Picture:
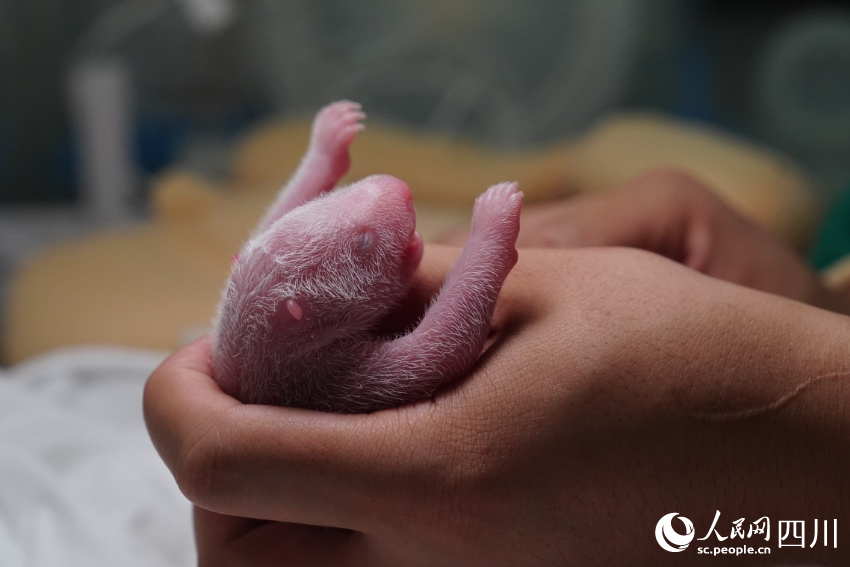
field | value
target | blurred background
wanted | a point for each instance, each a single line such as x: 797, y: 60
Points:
x: 99, y: 96
x: 199, y: 71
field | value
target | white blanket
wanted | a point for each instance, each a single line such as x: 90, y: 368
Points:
x: 80, y: 482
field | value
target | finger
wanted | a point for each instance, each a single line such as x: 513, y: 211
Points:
x: 653, y: 212
x: 227, y: 540
x: 666, y: 212
x: 189, y: 367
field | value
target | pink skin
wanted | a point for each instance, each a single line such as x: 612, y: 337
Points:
x: 299, y: 322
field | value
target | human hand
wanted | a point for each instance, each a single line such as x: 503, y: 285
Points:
x: 619, y: 387
x: 672, y: 214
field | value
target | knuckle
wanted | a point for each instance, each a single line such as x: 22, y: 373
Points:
x: 671, y: 180
x: 683, y: 191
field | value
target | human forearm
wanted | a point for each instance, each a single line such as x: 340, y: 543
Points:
x: 750, y: 419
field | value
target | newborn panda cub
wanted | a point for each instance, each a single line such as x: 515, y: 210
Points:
x: 298, y: 323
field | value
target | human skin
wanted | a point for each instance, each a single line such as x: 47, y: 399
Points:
x: 620, y: 386
x: 669, y: 212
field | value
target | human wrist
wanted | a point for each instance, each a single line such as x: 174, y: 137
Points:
x: 765, y: 410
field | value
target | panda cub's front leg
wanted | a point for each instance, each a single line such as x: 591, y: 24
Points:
x: 451, y: 335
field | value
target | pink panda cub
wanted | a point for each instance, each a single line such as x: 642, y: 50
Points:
x: 298, y: 323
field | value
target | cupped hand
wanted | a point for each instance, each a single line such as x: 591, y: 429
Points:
x: 619, y: 387
x: 672, y: 214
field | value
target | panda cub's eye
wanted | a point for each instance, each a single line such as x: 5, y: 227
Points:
x: 366, y: 241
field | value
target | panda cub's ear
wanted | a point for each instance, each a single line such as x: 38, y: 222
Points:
x: 288, y: 310
x: 294, y: 309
